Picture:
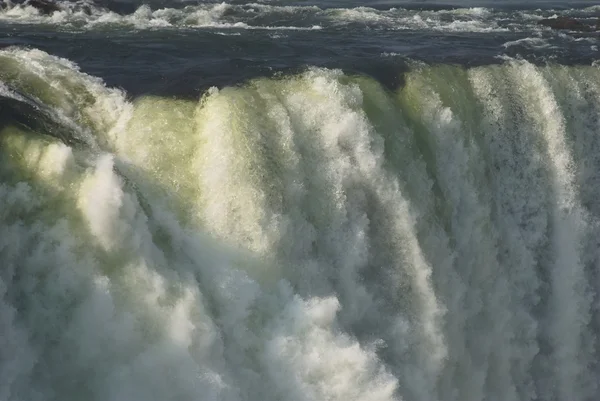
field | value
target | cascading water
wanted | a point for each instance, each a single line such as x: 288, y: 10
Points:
x: 303, y: 237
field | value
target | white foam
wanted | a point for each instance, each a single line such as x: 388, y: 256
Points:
x: 462, y: 20
x: 192, y: 320
x: 240, y: 16
x: 532, y: 42
x: 203, y: 16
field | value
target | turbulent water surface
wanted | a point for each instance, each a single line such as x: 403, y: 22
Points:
x: 299, y: 201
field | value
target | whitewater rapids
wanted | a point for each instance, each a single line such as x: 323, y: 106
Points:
x: 304, y: 237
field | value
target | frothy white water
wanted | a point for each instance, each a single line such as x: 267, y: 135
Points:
x: 85, y: 14
x: 88, y: 15
x: 312, y: 237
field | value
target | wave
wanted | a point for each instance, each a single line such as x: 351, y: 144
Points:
x: 309, y: 236
x: 530, y: 42
x: 88, y: 15
x: 84, y: 14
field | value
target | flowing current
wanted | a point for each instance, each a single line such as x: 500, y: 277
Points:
x: 309, y: 236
